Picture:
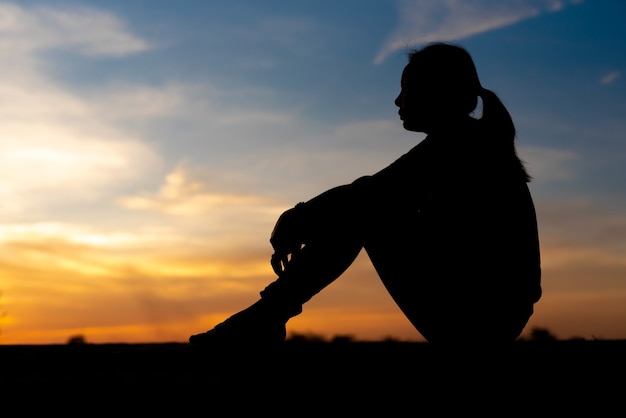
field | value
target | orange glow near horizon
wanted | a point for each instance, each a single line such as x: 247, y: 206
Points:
x: 56, y: 288
x: 140, y: 181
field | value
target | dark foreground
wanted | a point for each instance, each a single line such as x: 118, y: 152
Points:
x: 312, y: 378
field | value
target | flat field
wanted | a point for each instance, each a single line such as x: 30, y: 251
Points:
x: 313, y: 378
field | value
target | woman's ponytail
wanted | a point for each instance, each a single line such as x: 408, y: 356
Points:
x: 495, y: 117
x: 498, y: 124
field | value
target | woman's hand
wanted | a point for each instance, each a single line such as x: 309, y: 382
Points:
x: 287, y: 237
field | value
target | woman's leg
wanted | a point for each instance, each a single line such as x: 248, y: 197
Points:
x: 326, y: 255
x: 311, y: 269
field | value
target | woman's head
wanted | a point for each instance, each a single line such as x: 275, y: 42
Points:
x: 439, y: 85
x: 440, y: 88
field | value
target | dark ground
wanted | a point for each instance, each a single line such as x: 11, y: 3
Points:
x: 313, y: 378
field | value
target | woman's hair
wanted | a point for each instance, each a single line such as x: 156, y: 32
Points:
x: 451, y: 75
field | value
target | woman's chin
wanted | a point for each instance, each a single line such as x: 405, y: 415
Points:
x: 412, y: 126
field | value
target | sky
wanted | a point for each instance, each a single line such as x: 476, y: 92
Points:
x: 148, y: 147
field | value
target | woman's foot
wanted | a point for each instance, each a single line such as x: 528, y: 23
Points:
x: 256, y: 325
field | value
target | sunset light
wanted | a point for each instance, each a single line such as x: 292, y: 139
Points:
x: 148, y: 148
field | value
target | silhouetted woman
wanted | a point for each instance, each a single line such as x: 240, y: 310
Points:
x: 450, y: 226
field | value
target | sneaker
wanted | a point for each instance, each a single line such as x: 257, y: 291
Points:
x: 225, y: 334
x: 253, y: 326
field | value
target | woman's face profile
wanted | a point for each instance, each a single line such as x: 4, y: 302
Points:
x: 428, y: 101
x: 413, y: 101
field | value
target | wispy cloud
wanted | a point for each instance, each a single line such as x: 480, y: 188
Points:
x: 582, y: 224
x: 549, y: 164
x: 182, y: 195
x: 610, y: 77
x: 447, y: 20
x: 87, y: 31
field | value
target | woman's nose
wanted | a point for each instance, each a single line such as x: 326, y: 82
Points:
x: 398, y: 100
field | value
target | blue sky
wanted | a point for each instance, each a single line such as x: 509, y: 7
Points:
x: 147, y: 147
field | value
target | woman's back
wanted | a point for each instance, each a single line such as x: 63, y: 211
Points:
x: 458, y: 238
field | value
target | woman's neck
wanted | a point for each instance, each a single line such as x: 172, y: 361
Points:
x: 447, y: 126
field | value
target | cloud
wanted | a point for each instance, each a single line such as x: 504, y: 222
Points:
x: 122, y: 102
x: 181, y: 195
x: 55, y: 280
x: 54, y: 144
x: 66, y: 166
x: 582, y: 224
x: 86, y: 31
x: 548, y: 164
x: 611, y: 77
x: 448, y: 20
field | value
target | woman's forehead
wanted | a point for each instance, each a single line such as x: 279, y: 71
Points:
x: 410, y: 71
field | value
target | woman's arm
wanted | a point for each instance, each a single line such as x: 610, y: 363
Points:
x: 297, y: 225
x: 342, y: 208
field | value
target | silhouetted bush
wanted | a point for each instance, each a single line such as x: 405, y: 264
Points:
x: 542, y: 335
x: 306, y: 338
x: 342, y: 339
x: 77, y: 340
x: 390, y: 339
